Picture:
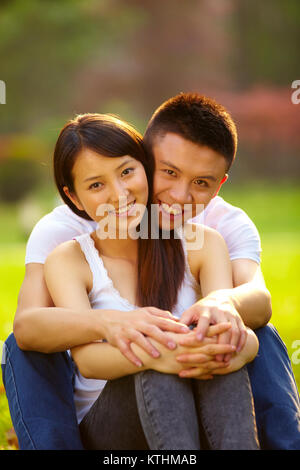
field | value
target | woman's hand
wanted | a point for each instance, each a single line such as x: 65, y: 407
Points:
x: 123, y: 329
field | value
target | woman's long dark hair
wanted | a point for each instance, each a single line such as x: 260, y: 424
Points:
x: 161, y: 262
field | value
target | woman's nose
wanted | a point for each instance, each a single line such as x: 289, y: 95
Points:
x: 118, y: 192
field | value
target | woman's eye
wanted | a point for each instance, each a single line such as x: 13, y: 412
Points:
x: 95, y: 185
x: 127, y: 171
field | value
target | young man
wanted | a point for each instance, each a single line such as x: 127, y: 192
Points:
x: 193, y: 140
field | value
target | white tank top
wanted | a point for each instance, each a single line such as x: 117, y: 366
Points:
x: 104, y: 295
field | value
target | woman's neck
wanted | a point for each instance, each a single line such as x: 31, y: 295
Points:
x: 117, y: 248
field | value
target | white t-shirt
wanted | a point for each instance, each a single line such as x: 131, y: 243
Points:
x: 60, y: 225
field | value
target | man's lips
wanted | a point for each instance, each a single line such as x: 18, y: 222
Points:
x: 173, y: 211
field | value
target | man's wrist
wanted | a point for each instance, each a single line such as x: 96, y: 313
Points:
x: 224, y: 296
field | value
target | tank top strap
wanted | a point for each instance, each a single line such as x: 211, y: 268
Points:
x: 93, y: 259
x: 188, y: 274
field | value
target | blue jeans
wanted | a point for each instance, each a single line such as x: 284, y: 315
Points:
x: 276, y: 398
x: 39, y: 389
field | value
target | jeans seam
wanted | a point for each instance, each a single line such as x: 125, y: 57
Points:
x: 150, y: 413
x: 205, y: 426
x: 8, y: 362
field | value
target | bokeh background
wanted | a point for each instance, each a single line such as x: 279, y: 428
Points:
x: 63, y: 57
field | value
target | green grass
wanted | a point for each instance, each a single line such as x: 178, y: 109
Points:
x: 275, y: 211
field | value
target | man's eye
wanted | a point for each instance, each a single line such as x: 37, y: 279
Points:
x: 201, y: 183
x: 127, y: 171
x: 170, y: 172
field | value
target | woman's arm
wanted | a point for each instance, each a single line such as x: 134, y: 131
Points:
x: 102, y: 361
x: 68, y: 279
x: 41, y: 326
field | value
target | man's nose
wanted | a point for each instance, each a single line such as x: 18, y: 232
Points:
x: 180, y: 193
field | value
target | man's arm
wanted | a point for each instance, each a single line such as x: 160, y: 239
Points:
x: 249, y: 295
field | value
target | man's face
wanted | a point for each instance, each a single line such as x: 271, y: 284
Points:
x: 185, y: 173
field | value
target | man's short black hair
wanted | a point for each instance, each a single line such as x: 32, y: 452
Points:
x: 196, y: 118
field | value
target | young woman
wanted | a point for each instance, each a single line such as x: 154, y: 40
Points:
x: 103, y: 174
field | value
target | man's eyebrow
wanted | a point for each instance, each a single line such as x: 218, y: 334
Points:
x: 118, y: 168
x: 171, y: 165
x: 165, y: 162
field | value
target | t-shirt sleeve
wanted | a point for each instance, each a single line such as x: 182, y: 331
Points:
x: 241, y: 236
x: 45, y: 236
x: 55, y: 228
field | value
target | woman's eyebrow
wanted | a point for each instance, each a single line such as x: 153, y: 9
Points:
x: 100, y: 176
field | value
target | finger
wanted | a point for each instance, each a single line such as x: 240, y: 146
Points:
x: 190, y: 340
x: 235, y: 337
x: 166, y: 324
x: 216, y: 349
x: 140, y: 340
x: 194, y: 358
x: 161, y: 313
x: 243, y: 339
x: 207, y: 355
x: 196, y: 371
x: 224, y: 338
x: 158, y: 335
x: 187, y: 317
x: 124, y: 348
x: 203, y: 324
x: 217, y: 329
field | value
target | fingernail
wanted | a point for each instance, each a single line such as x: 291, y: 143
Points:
x: 200, y: 336
x: 171, y: 345
x: 138, y: 364
x: 185, y: 329
x: 155, y: 354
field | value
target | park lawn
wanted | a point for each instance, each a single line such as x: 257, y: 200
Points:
x: 275, y: 213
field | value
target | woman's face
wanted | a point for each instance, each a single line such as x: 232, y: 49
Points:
x: 112, y: 187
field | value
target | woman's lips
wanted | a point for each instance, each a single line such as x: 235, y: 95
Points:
x: 124, y: 211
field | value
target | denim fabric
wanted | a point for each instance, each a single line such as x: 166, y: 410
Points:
x: 164, y: 412
x: 172, y: 409
x: 113, y: 422
x: 40, y: 395
x: 275, y: 393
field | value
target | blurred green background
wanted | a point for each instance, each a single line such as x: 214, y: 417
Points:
x: 63, y: 57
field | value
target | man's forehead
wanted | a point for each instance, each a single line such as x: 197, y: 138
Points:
x: 187, y: 157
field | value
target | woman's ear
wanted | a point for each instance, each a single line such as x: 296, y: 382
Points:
x: 73, y: 198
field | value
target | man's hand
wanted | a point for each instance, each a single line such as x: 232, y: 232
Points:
x: 123, y: 328
x: 213, y: 309
x: 196, y: 360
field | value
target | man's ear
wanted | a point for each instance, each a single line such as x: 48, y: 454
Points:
x: 224, y: 179
x: 73, y: 198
